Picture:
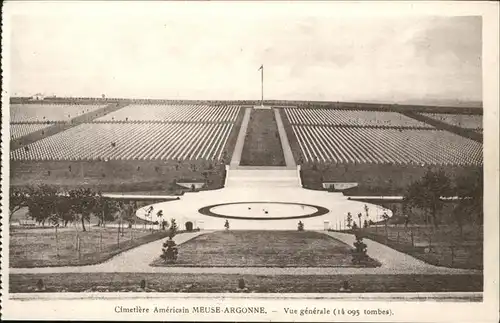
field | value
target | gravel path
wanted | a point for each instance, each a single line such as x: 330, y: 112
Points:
x: 395, y: 261
x: 138, y: 260
x: 238, y: 148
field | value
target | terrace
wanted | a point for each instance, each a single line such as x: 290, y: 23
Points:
x: 173, y: 113
x: 385, y: 146
x: 18, y: 130
x: 36, y: 113
x: 131, y: 141
x: 358, y: 118
x: 466, y: 121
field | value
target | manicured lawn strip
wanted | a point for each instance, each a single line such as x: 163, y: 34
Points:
x: 264, y: 249
x: 38, y: 249
x: 262, y: 145
x: 467, y: 249
x: 218, y: 283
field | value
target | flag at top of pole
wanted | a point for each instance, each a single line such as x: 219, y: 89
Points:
x: 261, y: 69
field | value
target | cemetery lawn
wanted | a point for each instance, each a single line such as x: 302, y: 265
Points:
x: 262, y: 146
x: 264, y: 249
x: 220, y: 283
x: 36, y: 247
x: 443, y: 246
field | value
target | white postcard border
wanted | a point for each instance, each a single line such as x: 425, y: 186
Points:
x: 103, y: 307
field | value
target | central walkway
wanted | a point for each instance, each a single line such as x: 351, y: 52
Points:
x: 262, y: 176
x: 238, y: 149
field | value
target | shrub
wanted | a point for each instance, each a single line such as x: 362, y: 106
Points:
x: 241, y: 283
x: 345, y: 286
x: 40, y: 286
x: 359, y: 253
x: 226, y: 225
x: 354, y: 226
x: 300, y: 226
x: 169, y: 251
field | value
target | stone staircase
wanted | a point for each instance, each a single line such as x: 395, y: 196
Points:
x: 265, y: 177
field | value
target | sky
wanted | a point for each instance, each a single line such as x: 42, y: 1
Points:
x: 217, y: 56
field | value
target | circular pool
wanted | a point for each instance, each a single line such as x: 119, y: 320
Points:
x: 263, y: 210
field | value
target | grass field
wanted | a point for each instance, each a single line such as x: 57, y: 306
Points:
x: 444, y: 246
x: 117, y: 175
x: 372, y: 179
x: 38, y: 247
x: 262, y: 145
x: 218, y: 283
x: 264, y: 249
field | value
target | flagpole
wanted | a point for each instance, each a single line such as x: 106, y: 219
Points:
x: 262, y: 85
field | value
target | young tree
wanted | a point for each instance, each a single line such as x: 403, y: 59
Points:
x: 405, y: 211
x: 385, y: 216
x: 226, y: 225
x: 426, y: 193
x: 107, y: 209
x: 55, y: 220
x: 173, y: 228
x: 84, y: 204
x: 17, y: 199
x: 366, y: 214
x: 349, y: 220
x: 120, y: 206
x: 129, y: 210
x: 159, y: 215
x: 359, y: 217
x: 149, y: 213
